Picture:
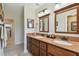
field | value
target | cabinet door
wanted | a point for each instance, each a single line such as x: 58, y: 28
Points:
x: 35, y: 50
x: 42, y: 52
x: 29, y: 44
x: 57, y: 51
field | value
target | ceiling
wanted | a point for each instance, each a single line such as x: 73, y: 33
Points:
x: 36, y: 5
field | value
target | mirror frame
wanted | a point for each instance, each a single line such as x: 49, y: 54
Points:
x: 42, y: 18
x: 67, y: 8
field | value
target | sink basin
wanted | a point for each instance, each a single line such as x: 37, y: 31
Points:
x: 38, y: 37
x: 63, y: 42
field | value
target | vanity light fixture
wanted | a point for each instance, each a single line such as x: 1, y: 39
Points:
x: 47, y: 11
x: 57, y: 6
x: 43, y: 12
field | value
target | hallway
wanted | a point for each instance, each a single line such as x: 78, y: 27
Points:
x: 16, y: 51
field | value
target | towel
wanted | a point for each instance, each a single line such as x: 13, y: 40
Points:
x: 7, y: 29
x: 5, y: 36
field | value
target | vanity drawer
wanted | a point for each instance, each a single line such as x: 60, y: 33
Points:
x: 42, y: 52
x: 59, y: 51
x: 35, y: 42
x: 43, y: 46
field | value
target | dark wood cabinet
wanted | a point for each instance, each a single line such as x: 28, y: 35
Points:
x: 43, y: 46
x: 35, y: 50
x: 35, y: 42
x: 57, y: 51
x: 43, y: 53
x: 36, y: 47
x: 33, y: 46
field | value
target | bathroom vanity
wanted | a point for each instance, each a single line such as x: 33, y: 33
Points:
x: 43, y: 46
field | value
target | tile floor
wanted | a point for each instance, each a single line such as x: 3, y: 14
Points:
x: 16, y: 51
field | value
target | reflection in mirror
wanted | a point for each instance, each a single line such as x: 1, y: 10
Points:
x: 72, y: 23
x: 67, y: 21
x: 41, y: 25
x: 44, y: 23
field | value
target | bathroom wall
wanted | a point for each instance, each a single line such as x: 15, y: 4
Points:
x: 29, y: 13
x: 15, y: 12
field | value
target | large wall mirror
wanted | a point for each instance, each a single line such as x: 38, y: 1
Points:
x: 66, y: 19
x: 44, y: 23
